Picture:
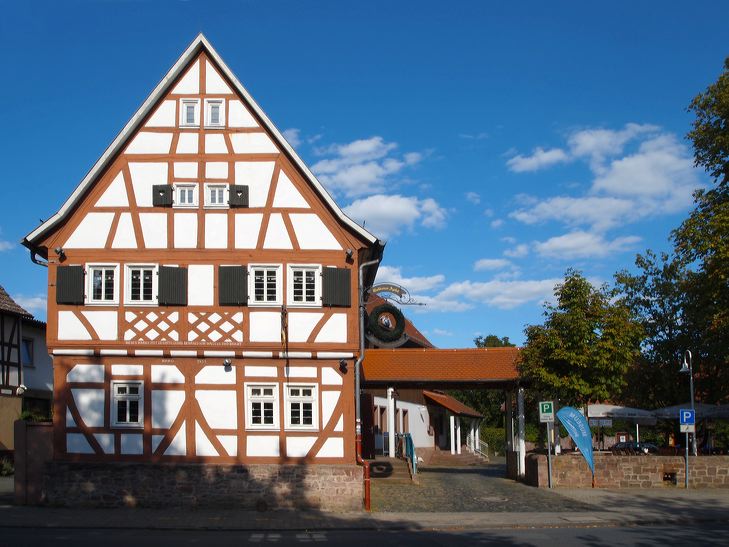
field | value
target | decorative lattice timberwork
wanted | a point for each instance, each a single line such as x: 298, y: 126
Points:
x: 214, y: 326
x: 151, y: 325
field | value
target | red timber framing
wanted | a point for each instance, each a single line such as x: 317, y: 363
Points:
x: 193, y: 360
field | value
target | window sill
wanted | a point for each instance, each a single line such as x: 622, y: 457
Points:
x: 301, y: 428
x: 216, y: 207
x: 190, y: 126
x: 127, y: 426
x: 141, y: 304
x: 193, y: 206
x: 214, y: 127
x: 113, y: 304
x: 264, y: 304
x: 270, y: 429
x: 308, y: 305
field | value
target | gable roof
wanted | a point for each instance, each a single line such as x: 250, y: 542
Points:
x: 198, y: 44
x: 449, y: 403
x: 7, y: 304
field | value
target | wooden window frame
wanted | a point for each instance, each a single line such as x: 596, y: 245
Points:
x: 89, y: 300
x: 290, y: 269
x: 208, y: 113
x: 252, y: 302
x: 313, y: 399
x: 114, y: 418
x: 128, y: 285
x: 226, y: 195
x: 195, y: 195
x: 183, y: 117
x: 250, y: 399
x: 31, y: 351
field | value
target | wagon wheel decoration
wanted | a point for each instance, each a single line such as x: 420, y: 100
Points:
x: 386, y: 323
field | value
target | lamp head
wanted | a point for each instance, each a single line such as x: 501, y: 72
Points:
x: 686, y: 367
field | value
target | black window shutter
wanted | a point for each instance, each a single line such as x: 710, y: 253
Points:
x: 162, y: 195
x: 70, y: 285
x: 172, y: 286
x: 233, y: 285
x: 337, y: 287
x: 238, y: 196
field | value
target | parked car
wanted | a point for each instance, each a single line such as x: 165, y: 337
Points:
x: 632, y: 448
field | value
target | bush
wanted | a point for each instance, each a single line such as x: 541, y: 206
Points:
x: 6, y: 467
x: 495, y: 437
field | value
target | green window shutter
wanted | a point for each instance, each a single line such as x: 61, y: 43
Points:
x: 162, y: 195
x: 238, y: 196
x: 172, y: 286
x: 232, y: 285
x: 337, y: 287
x: 70, y: 286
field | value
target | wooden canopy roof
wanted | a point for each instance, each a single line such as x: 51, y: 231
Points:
x: 449, y: 403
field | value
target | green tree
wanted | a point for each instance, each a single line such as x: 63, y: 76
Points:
x: 492, y: 341
x: 584, y: 348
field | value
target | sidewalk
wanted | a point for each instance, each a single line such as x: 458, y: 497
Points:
x: 607, y: 508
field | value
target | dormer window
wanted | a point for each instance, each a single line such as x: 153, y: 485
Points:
x: 214, y: 113
x: 190, y: 113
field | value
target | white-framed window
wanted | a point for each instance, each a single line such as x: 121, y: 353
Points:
x: 216, y: 195
x: 185, y: 195
x: 214, y: 112
x: 189, y: 112
x: 262, y: 406
x: 301, y: 404
x: 127, y: 404
x: 264, y: 285
x: 304, y: 285
x: 140, y: 287
x: 102, y: 284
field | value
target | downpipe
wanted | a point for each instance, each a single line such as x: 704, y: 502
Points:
x: 357, y: 402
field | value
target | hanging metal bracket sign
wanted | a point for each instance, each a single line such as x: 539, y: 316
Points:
x: 395, y: 293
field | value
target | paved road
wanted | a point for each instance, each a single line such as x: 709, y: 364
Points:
x: 708, y: 534
x: 467, y: 489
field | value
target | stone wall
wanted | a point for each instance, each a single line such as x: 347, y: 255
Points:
x: 254, y: 487
x: 571, y: 471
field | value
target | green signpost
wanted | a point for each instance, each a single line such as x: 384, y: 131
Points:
x: 546, y: 415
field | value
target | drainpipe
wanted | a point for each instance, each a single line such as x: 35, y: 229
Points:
x: 357, y: 403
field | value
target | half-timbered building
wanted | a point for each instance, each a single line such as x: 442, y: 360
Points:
x: 202, y: 289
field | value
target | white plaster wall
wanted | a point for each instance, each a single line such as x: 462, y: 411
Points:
x: 104, y: 323
x: 185, y: 230
x: 76, y: 443
x: 262, y: 445
x: 144, y: 176
x: 164, y: 116
x: 187, y: 143
x: 216, y: 170
x: 132, y: 444
x: 90, y: 404
x: 230, y: 443
x: 258, y: 371
x: 150, y: 143
x: 257, y: 176
x: 335, y: 330
x: 239, y: 116
x: 418, y: 420
x: 276, y: 236
x: 252, y: 143
x: 330, y: 377
x: 287, y: 195
x: 215, y: 144
x: 185, y: 170
x: 106, y: 441
x: 40, y: 375
x: 247, y: 227
x: 91, y: 233
x: 340, y: 424
x: 265, y: 327
x: 332, y: 448
x: 215, y: 374
x: 115, y: 194
x: 70, y: 327
x: 154, y: 230
x: 86, y: 373
x: 127, y: 370
x: 190, y: 82
x: 216, y: 231
x: 166, y: 405
x: 203, y: 446
x: 298, y: 447
x: 301, y: 372
x: 328, y: 402
x: 301, y: 325
x: 213, y: 82
x: 167, y: 374
x: 219, y: 408
x: 200, y: 285
x: 124, y: 237
x: 178, y: 446
x: 311, y: 233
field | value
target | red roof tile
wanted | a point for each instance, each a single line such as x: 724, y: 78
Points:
x: 7, y: 304
x: 449, y: 403
x: 429, y: 365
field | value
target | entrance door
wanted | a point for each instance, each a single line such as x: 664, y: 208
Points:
x: 368, y: 427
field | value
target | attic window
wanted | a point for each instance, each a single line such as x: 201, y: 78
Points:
x: 190, y: 113
x: 214, y: 113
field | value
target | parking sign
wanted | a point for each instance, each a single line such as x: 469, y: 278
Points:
x: 546, y: 411
x: 687, y: 420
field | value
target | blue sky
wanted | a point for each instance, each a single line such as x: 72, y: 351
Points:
x: 494, y: 146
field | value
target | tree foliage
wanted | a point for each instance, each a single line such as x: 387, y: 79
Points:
x: 584, y: 348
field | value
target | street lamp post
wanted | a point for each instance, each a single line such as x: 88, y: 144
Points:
x: 687, y: 368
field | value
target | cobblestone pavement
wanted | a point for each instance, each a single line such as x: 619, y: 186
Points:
x: 468, y: 489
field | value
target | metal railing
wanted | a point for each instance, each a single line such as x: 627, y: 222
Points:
x: 482, y: 449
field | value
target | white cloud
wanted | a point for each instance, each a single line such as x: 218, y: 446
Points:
x: 293, y: 136
x: 485, y: 264
x: 500, y: 294
x: 517, y: 251
x: 584, y: 244
x: 599, y: 212
x: 361, y: 167
x: 474, y: 136
x: 539, y: 159
x: 598, y: 144
x: 386, y: 216
x: 497, y: 223
x: 441, y: 332
x: 5, y: 245
x: 473, y: 197
x: 393, y: 274
x: 36, y: 303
